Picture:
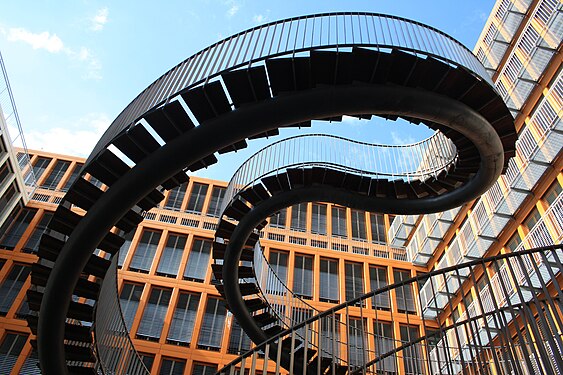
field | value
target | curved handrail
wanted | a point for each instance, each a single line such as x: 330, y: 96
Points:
x: 549, y: 257
x: 339, y: 30
x: 110, y: 331
x: 416, y: 161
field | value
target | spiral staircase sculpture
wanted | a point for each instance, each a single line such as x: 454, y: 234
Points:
x: 285, y: 73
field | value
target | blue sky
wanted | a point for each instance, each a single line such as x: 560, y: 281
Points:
x: 74, y: 65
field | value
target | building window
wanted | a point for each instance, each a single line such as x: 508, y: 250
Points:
x: 124, y: 249
x: 197, y: 197
x: 57, y: 173
x: 5, y: 171
x: 201, y: 369
x: 182, y: 325
x: 278, y: 263
x: 31, y: 364
x: 354, y: 280
x: 73, y: 176
x: 217, y: 195
x: 552, y: 193
x: 412, y: 355
x: 11, y: 286
x: 329, y: 280
x: 378, y: 279
x: 154, y: 314
x: 239, y: 342
x: 318, y: 218
x: 359, y: 225
x: 15, y: 226
x: 146, y: 358
x: 172, y: 255
x: 533, y: 218
x: 198, y: 260
x: 172, y: 366
x: 7, y: 197
x: 278, y: 219
x: 339, y: 221
x: 39, y: 167
x: 303, y: 276
x: 23, y: 310
x: 357, y: 348
x: 384, y: 343
x: 146, y: 249
x: 212, y: 327
x: 32, y: 244
x: 129, y: 301
x: 12, y: 345
x: 330, y: 336
x: 514, y: 242
x: 176, y: 197
x: 299, y: 217
x: 377, y: 222
x: 405, y: 298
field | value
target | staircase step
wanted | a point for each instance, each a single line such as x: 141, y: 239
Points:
x: 79, y: 353
x: 218, y: 252
x: 332, y: 68
x: 402, y: 67
x: 225, y: 229
x: 234, y: 147
x: 107, y: 167
x: 136, y: 143
x: 247, y: 85
x: 81, y: 370
x: 203, y: 163
x: 264, y: 319
x: 207, y: 101
x: 273, y: 330
x: 169, y: 121
x: 175, y: 181
x: 244, y: 272
x: 255, y: 304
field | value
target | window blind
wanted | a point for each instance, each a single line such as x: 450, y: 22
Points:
x: 182, y: 325
x: 197, y: 197
x: 146, y: 249
x: 198, y: 260
x: 11, y: 347
x: 172, y: 255
x: 129, y: 301
x: 211, y: 332
x: 154, y: 314
x: 11, y: 286
x: 15, y: 226
x: 329, y: 280
x: 303, y: 276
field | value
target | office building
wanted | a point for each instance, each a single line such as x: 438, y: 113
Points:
x: 316, y: 255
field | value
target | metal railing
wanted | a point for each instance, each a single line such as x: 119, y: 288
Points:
x: 521, y: 335
x: 330, y: 31
x: 13, y: 124
x: 114, y: 349
x: 406, y: 162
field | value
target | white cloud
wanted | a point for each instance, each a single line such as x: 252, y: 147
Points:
x: 233, y: 7
x: 44, y: 40
x: 100, y: 19
x: 53, y: 44
x: 78, y: 139
x: 259, y: 18
x: 401, y: 139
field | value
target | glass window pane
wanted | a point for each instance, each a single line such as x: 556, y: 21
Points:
x: 198, y: 260
x: 14, y: 227
x: 318, y: 218
x: 278, y: 219
x: 182, y: 325
x: 201, y: 369
x: 405, y: 297
x: 145, y: 251
x: 217, y: 195
x: 32, y: 244
x: 154, y: 314
x: 172, y: 255
x: 378, y: 279
x: 129, y: 301
x: 384, y: 343
x: 359, y: 225
x: 239, y: 342
x: 197, y: 197
x: 176, y: 197
x: 72, y: 177
x: 12, y: 345
x: 339, y: 221
x: 378, y: 233
x: 299, y: 217
x: 171, y: 366
x: 329, y: 280
x: 278, y: 263
x: 11, y: 286
x: 39, y: 166
x: 56, y: 174
x: 354, y: 280
x: 213, y: 325
x: 303, y: 276
x: 124, y: 249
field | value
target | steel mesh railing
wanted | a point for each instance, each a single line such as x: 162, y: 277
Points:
x: 114, y: 349
x: 519, y: 336
x: 417, y: 161
x: 330, y: 31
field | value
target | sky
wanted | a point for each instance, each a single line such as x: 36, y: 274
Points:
x: 73, y: 65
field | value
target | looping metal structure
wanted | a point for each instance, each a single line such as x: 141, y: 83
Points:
x: 285, y: 73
